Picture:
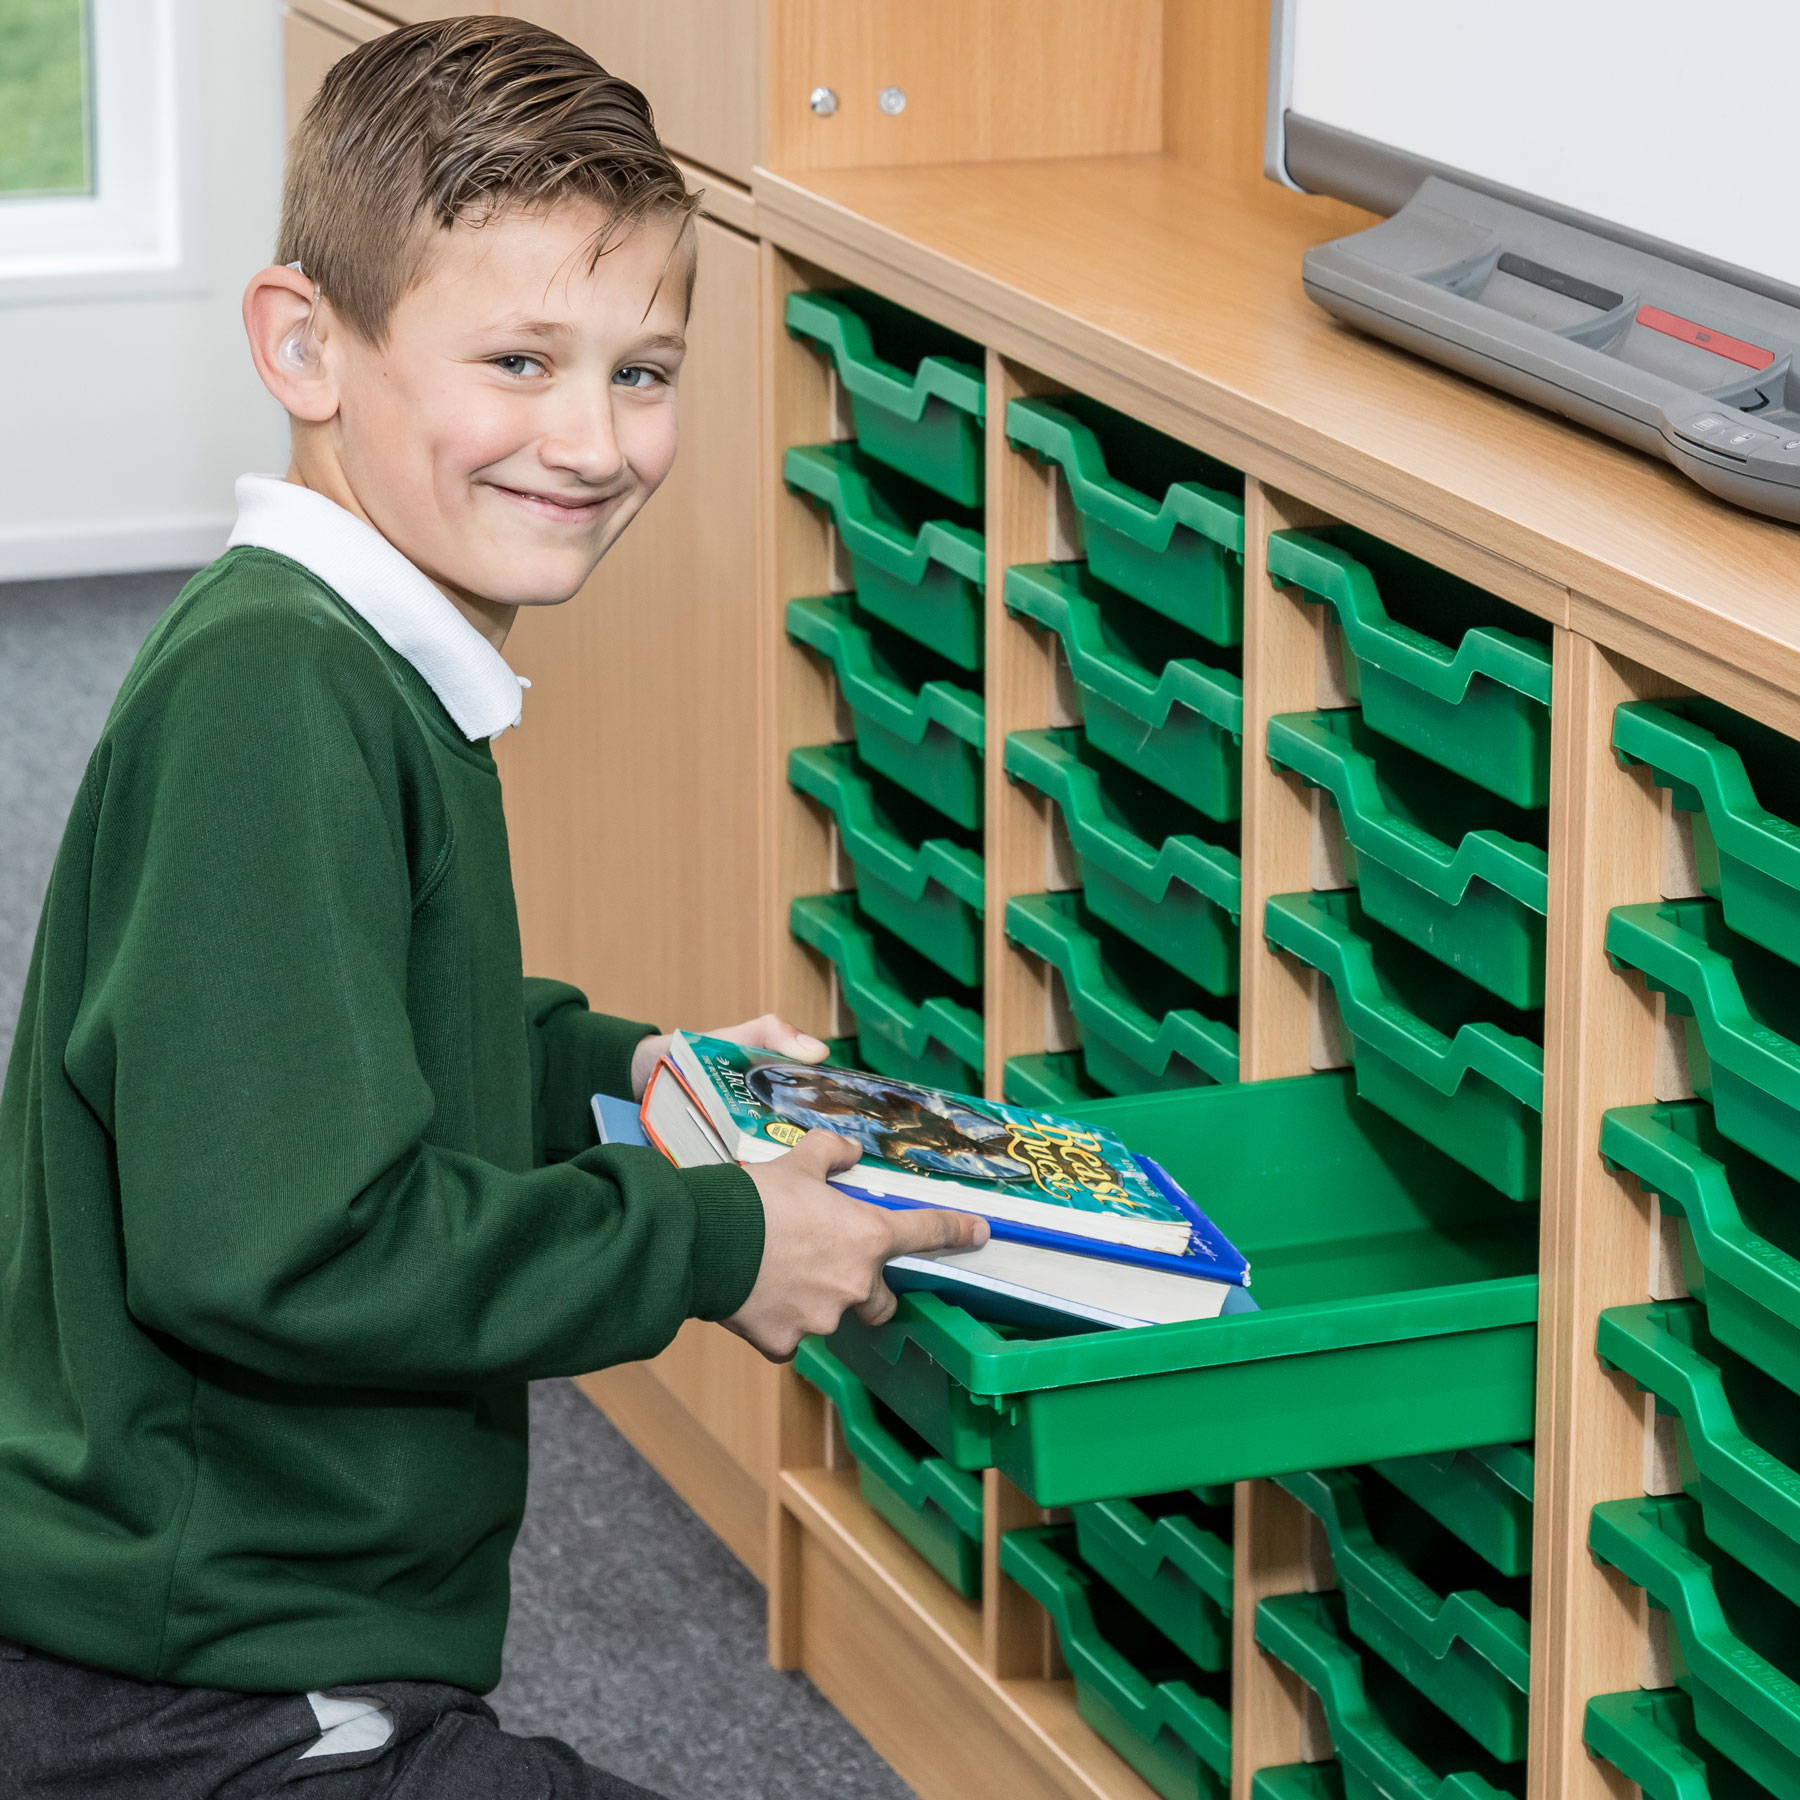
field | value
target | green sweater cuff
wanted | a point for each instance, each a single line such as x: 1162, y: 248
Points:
x: 728, y: 1238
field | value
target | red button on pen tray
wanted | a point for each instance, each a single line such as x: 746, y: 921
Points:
x: 1690, y: 331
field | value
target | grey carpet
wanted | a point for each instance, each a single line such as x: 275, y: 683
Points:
x: 635, y: 1635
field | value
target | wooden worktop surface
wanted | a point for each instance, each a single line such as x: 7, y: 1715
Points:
x: 1157, y: 289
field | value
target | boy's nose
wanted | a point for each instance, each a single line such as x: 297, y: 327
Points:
x: 586, y: 445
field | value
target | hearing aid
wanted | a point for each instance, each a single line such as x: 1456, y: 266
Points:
x: 298, y: 350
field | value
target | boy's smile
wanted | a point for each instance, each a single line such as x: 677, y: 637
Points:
x: 519, y: 412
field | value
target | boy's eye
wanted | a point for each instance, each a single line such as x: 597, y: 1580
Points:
x: 638, y: 375
x: 518, y: 364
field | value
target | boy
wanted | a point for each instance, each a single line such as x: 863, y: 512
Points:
x: 297, y: 1185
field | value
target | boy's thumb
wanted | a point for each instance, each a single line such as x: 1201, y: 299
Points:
x: 822, y: 1153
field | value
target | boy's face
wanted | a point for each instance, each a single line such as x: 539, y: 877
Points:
x: 523, y: 407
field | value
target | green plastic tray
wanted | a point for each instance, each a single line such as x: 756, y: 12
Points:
x: 1445, y: 1058
x: 1392, y: 1743
x: 1484, y: 1496
x: 1146, y: 699
x: 1144, y: 864
x: 1427, y: 1604
x: 1159, y: 521
x: 1052, y: 1081
x: 1298, y: 1781
x: 912, y: 724
x: 925, y: 886
x: 1142, y: 1025
x: 921, y: 574
x: 1650, y: 1737
x: 1168, y: 1719
x: 1170, y: 1556
x: 936, y: 1508
x: 1737, y: 1437
x: 1740, y: 1226
x: 1741, y: 1009
x: 907, y: 1025
x: 1397, y: 1300
x: 1453, y: 673
x: 1445, y: 864
x: 1734, y: 1643
x: 1715, y: 762
x: 917, y: 392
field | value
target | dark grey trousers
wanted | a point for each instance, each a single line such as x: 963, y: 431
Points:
x: 74, y: 1733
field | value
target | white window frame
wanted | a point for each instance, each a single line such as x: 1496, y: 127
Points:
x: 139, y: 231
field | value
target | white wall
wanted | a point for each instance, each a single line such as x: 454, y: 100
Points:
x: 124, y: 422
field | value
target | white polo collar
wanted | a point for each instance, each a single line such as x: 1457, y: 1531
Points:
x: 402, y: 606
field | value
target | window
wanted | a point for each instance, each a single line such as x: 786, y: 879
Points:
x: 98, y: 148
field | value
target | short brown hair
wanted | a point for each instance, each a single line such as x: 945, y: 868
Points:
x: 455, y: 121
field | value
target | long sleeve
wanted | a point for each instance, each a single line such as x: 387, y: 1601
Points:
x: 278, y: 1061
x: 575, y: 1054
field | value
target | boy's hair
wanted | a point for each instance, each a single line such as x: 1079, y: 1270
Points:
x: 456, y: 121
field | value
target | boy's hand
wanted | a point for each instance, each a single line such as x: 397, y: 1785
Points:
x: 823, y: 1251
x: 770, y: 1032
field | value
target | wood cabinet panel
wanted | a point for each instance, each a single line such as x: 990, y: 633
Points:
x: 632, y: 785
x: 309, y: 48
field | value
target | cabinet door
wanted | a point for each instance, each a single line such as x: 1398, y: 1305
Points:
x: 632, y: 785
x: 699, y: 61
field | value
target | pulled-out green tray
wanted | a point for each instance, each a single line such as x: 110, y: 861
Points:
x: 936, y: 1508
x: 917, y: 392
x: 1740, y: 1225
x: 1142, y: 1025
x: 1144, y: 864
x: 1715, y: 763
x: 1450, y: 671
x: 1159, y: 521
x: 925, y: 886
x: 1398, y: 1306
x: 1167, y: 1718
x: 1444, y: 1057
x: 912, y: 1022
x: 1740, y: 1005
x: 1147, y: 700
x: 1650, y: 1737
x: 921, y: 574
x: 1427, y: 1604
x: 912, y: 724
x: 1052, y: 1081
x: 1483, y: 1495
x: 1737, y: 1437
x: 1298, y: 1781
x: 1170, y: 1556
x: 1445, y: 864
x: 1734, y: 1643
x: 1392, y: 1743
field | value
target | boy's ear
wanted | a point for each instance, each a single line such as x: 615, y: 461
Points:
x: 287, y: 322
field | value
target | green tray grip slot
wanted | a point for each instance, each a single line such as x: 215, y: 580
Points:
x: 1172, y: 1568
x: 921, y: 575
x: 1476, y: 901
x: 1483, y: 1496
x: 1744, y: 1704
x: 931, y: 893
x: 927, y: 1032
x: 1403, y: 1061
x: 1748, y: 1489
x: 1133, y: 540
x: 924, y: 421
x: 1748, y: 857
x: 1501, y: 741
x: 1051, y: 1081
x: 1177, y: 896
x: 1751, y: 1285
x: 1739, y: 1056
x: 1649, y: 1736
x: 929, y: 738
x: 1053, y: 926
x: 1040, y: 1559
x: 1464, y: 1651
x: 1303, y: 1631
x: 918, y: 1495
x: 1174, y: 719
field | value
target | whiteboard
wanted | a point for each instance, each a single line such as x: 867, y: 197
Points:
x: 1643, y: 113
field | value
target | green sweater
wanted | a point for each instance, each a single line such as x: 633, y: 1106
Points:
x: 298, y: 1183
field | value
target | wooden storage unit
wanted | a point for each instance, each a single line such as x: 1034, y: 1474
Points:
x: 1110, y: 236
